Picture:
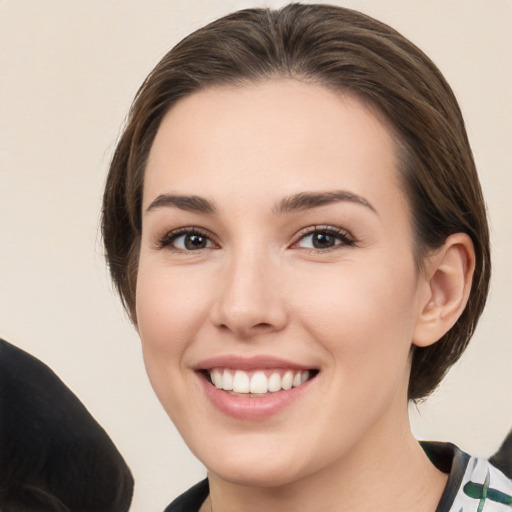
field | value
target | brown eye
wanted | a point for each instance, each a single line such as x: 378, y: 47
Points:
x: 193, y: 242
x: 186, y: 240
x: 324, y: 239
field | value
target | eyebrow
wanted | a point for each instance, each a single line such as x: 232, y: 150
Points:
x: 296, y: 202
x: 189, y: 203
x: 307, y: 200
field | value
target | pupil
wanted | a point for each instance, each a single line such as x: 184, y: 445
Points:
x: 322, y: 240
x: 195, y: 242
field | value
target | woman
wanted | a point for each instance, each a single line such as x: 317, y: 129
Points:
x: 294, y: 222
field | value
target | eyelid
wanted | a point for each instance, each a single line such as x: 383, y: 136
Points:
x: 165, y: 241
x: 347, y: 239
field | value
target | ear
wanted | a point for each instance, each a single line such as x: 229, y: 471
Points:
x: 447, y: 276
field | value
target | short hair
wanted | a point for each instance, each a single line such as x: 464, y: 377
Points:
x: 346, y: 51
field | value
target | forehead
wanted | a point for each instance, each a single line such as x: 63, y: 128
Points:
x: 286, y: 133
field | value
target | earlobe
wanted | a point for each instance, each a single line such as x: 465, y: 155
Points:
x: 448, y: 275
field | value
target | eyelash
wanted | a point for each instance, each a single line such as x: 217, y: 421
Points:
x: 344, y: 238
x: 169, y: 238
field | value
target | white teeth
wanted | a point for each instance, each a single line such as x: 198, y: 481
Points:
x: 287, y: 380
x: 227, y: 381
x: 240, y: 382
x: 258, y: 383
x: 217, y: 379
x: 274, y: 382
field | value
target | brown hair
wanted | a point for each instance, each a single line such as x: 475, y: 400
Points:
x: 346, y: 51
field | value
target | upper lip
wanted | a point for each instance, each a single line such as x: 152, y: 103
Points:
x: 262, y: 362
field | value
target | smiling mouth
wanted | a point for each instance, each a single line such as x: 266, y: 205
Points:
x: 258, y: 383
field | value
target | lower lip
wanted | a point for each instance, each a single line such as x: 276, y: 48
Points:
x: 251, y: 408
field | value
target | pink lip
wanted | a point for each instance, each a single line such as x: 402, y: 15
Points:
x: 248, y: 363
x: 247, y: 408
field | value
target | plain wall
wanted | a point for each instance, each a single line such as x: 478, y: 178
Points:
x: 69, y: 70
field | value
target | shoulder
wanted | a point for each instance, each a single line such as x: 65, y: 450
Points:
x: 473, y: 482
x: 485, y: 485
x: 191, y: 500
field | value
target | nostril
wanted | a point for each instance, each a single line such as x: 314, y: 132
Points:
x: 262, y: 325
x: 249, y: 330
x: 245, y: 319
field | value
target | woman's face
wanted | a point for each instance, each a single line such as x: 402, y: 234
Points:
x: 276, y: 252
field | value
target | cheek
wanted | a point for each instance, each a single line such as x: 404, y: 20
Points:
x: 168, y: 306
x: 364, y: 318
x: 168, y: 309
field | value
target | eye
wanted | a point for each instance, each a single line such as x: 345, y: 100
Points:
x: 186, y: 239
x: 324, y: 238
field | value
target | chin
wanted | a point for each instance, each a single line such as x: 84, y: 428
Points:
x: 267, y: 466
x: 266, y: 475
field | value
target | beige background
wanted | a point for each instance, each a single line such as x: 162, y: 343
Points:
x: 69, y: 70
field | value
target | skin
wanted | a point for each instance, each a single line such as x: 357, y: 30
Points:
x: 259, y: 287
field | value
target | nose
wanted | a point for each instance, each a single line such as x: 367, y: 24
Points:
x: 249, y: 302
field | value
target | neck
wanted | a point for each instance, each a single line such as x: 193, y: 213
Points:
x: 386, y: 471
